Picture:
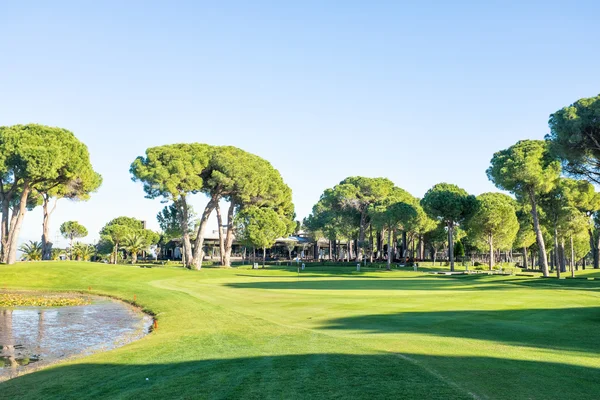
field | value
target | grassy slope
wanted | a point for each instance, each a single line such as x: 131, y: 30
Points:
x: 269, y: 334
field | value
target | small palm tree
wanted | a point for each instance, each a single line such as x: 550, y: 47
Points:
x: 55, y: 255
x: 135, y: 244
x: 83, y: 251
x: 32, y: 251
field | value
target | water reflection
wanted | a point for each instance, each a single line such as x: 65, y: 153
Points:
x: 33, y: 336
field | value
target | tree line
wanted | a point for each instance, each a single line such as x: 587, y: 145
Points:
x: 551, y: 181
x: 554, y: 202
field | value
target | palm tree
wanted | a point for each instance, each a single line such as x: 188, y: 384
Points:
x: 135, y: 244
x: 83, y: 251
x: 32, y: 251
x: 55, y: 254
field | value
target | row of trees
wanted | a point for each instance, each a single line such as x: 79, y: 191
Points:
x: 551, y: 180
x: 547, y: 205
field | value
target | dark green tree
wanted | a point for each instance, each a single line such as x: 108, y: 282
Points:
x: 494, y: 225
x: 529, y: 170
x: 72, y: 230
x: 575, y: 137
x: 261, y: 226
x: 451, y: 205
x: 174, y: 173
x: 118, y: 230
x: 33, y: 156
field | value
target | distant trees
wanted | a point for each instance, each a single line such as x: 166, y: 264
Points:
x: 494, y: 223
x: 128, y: 234
x: 34, y: 158
x: 82, y: 251
x: 261, y: 226
x: 139, y: 241
x: 451, y: 205
x: 72, y: 230
x: 358, y: 195
x: 359, y: 205
x: 360, y: 216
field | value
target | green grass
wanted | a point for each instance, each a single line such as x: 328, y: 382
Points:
x: 330, y: 333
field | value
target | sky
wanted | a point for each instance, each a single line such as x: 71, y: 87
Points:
x: 420, y: 92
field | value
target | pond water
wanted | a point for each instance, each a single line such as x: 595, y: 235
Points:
x: 33, y: 337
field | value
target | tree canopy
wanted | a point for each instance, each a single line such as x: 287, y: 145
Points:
x: 34, y: 156
x: 529, y: 170
x: 575, y: 137
x: 494, y: 225
x: 223, y: 173
x: 451, y: 205
x: 261, y: 226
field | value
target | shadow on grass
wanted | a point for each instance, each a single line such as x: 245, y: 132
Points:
x: 313, y: 376
x: 370, y: 283
x: 543, y: 328
x: 416, y: 282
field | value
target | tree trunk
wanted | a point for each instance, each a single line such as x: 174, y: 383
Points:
x: 5, y: 228
x: 389, y: 258
x: 229, y: 235
x: 451, y: 244
x: 264, y: 256
x: 46, y: 243
x: 116, y: 253
x: 350, y: 241
x: 538, y: 234
x: 330, y: 251
x: 404, y: 247
x: 593, y: 247
x: 597, y: 255
x: 13, y: 237
x: 186, y: 244
x: 524, y: 257
x: 563, y: 256
x: 393, y: 244
x: 572, y: 262
x: 555, y: 258
x: 134, y: 257
x: 198, y: 255
x: 491, y: 243
x: 361, y: 235
x: 221, y: 237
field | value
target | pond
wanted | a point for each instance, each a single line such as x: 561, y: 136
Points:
x: 33, y: 337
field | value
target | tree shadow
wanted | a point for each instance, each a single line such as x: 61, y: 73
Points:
x: 314, y: 376
x: 417, y: 282
x: 541, y: 328
x: 360, y: 283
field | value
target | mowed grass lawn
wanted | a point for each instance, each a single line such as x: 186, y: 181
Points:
x: 329, y: 333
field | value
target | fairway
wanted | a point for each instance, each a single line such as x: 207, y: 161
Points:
x: 329, y: 333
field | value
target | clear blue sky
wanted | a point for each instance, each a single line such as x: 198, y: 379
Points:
x: 420, y: 92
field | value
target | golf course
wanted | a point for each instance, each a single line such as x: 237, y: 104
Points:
x: 328, y: 332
